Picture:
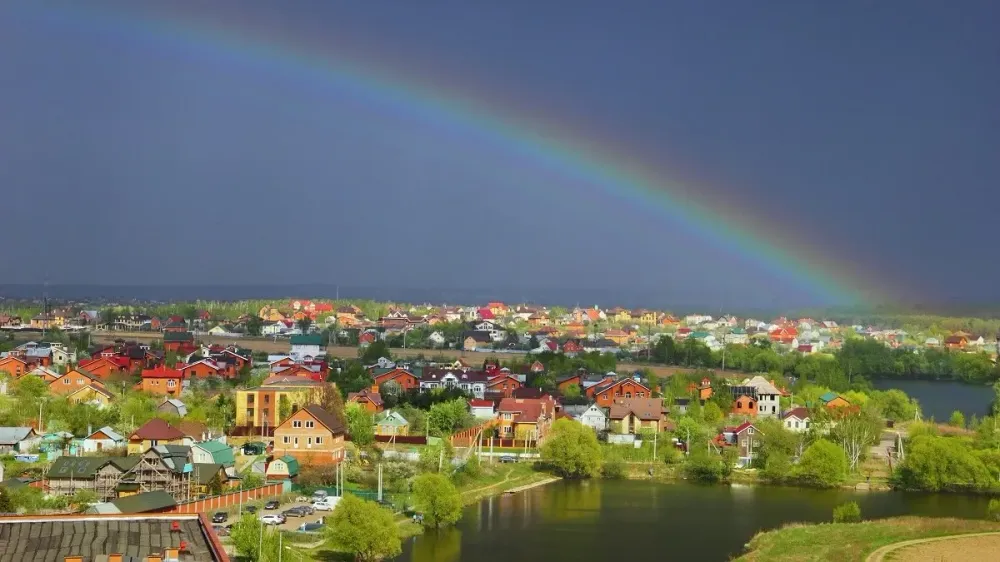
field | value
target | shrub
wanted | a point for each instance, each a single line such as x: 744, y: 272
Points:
x: 993, y: 510
x: 613, y: 469
x: 848, y: 512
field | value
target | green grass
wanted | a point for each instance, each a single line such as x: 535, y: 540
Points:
x: 799, y: 542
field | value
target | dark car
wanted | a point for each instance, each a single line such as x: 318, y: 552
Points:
x: 250, y: 509
x: 220, y: 517
x: 273, y: 504
x: 310, y: 527
x: 294, y: 512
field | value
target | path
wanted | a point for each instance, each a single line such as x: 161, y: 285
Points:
x: 506, y: 478
x: 880, y: 554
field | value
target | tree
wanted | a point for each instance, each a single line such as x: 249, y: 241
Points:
x: 703, y: 466
x: 447, y: 417
x: 284, y: 408
x: 437, y: 499
x: 935, y: 464
x: 957, y: 419
x: 712, y: 413
x: 360, y: 424
x: 373, y: 352
x: 254, y: 325
x: 822, y: 465
x: 331, y: 400
x: 849, y: 512
x: 6, y: 502
x: 303, y: 324
x: 253, y: 541
x: 571, y: 391
x: 364, y: 529
x: 856, y: 432
x: 894, y: 404
x: 571, y: 449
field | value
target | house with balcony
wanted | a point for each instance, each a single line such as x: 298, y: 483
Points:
x: 471, y: 382
x: 311, y: 434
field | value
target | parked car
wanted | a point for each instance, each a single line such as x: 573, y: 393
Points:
x: 319, y: 495
x: 273, y: 504
x: 308, y: 527
x: 308, y: 509
x: 272, y: 519
x: 322, y: 506
x: 220, y: 517
x: 250, y: 509
x: 295, y: 512
x: 508, y: 458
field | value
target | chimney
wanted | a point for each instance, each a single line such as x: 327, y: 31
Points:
x: 73, y: 559
x: 152, y: 558
x: 114, y: 558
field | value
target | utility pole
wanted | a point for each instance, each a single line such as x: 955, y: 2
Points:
x: 380, y: 481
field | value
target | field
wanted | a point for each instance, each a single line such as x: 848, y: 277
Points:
x: 281, y: 346
x: 855, y: 541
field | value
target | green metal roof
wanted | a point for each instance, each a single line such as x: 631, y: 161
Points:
x: 828, y: 397
x: 145, y: 502
x: 292, y: 463
x: 203, y: 473
x: 307, y: 339
x: 76, y: 467
x: 221, y: 453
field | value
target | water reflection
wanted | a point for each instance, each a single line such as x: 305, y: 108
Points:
x: 443, y: 545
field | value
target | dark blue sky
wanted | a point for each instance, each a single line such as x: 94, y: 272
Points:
x: 866, y: 132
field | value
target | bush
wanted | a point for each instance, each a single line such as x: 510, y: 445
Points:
x: 613, y: 469
x: 822, y: 465
x: 848, y: 512
x: 993, y: 510
x: 703, y: 466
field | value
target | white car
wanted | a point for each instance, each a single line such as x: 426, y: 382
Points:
x: 322, y: 506
x: 272, y: 519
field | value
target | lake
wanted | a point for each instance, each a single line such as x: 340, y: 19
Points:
x: 938, y: 399
x: 603, y: 520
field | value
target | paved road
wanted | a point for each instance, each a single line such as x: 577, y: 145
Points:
x: 880, y: 554
x: 473, y: 357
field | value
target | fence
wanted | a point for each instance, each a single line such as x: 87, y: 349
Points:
x: 465, y: 437
x: 226, y: 500
x: 497, y: 442
x: 402, y: 439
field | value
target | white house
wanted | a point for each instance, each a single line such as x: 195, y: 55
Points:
x: 473, y: 383
x: 102, y: 440
x: 796, y: 419
x: 595, y: 417
x: 768, y: 396
x: 307, y: 345
x: 18, y: 439
x: 437, y: 339
x: 481, y: 409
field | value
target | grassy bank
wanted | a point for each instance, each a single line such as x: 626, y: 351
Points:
x: 851, y: 541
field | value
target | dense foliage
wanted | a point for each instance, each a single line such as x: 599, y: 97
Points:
x: 364, y: 529
x: 571, y: 450
x: 437, y: 499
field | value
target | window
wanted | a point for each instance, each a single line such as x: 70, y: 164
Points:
x: 739, y: 404
x: 79, y: 381
x: 267, y: 398
x: 310, y: 424
x: 796, y: 425
x: 171, y: 383
x: 628, y: 395
x: 296, y: 424
x: 319, y: 440
x: 65, y: 381
x: 285, y: 439
x: 296, y: 443
x: 309, y: 441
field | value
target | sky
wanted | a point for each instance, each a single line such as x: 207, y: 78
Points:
x: 863, y: 137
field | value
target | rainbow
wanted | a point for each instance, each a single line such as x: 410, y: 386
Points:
x: 570, y: 154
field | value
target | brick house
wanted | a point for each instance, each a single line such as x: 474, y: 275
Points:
x: 368, y: 398
x: 310, y: 435
x: 606, y: 394
x: 525, y: 418
x: 405, y: 379
x: 502, y: 385
x: 179, y: 342
x: 743, y: 437
x: 161, y: 380
x: 105, y: 367
x: 201, y: 370
x: 14, y: 366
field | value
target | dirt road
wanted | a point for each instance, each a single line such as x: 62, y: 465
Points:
x: 270, y: 345
x: 972, y: 547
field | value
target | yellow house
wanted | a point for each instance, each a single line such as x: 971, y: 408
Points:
x: 90, y: 394
x: 620, y: 337
x: 271, y: 314
x: 647, y: 317
x: 46, y: 321
x: 392, y: 423
x: 262, y: 406
x: 622, y: 316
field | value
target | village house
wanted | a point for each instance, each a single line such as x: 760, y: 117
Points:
x: 307, y: 345
x: 502, y: 385
x: 605, y: 394
x: 744, y: 400
x: 282, y: 468
x: 18, y: 439
x: 474, y: 340
x: 311, y: 434
x: 369, y: 399
x: 481, y: 408
x: 391, y: 423
x: 105, y: 367
x: 635, y: 415
x: 13, y: 366
x: 213, y: 452
x: 103, y: 439
x: 471, y: 382
x: 162, y: 380
x: 592, y: 416
x: 767, y: 396
x: 201, y: 370
x: 154, y: 432
x: 743, y: 437
x: 44, y: 373
x: 796, y: 420
x: 94, y: 394
x: 834, y: 400
x: 72, y: 381
x: 525, y: 418
x: 181, y: 343
x: 260, y: 407
x: 100, y: 475
x: 172, y: 406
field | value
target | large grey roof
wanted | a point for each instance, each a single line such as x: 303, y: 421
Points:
x: 12, y: 435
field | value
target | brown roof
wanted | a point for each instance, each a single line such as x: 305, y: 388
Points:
x: 374, y: 397
x: 192, y: 429
x: 800, y: 412
x: 326, y: 418
x: 528, y: 410
x: 647, y: 409
x: 158, y: 429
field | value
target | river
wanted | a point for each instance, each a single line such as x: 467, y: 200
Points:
x: 938, y: 399
x: 597, y: 521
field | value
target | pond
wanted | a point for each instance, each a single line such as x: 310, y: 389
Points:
x: 938, y: 399
x: 606, y: 520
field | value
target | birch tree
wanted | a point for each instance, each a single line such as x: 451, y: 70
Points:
x: 856, y: 433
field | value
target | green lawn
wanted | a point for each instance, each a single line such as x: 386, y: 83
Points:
x: 851, y: 541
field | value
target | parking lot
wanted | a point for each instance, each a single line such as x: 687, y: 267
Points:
x: 290, y: 524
